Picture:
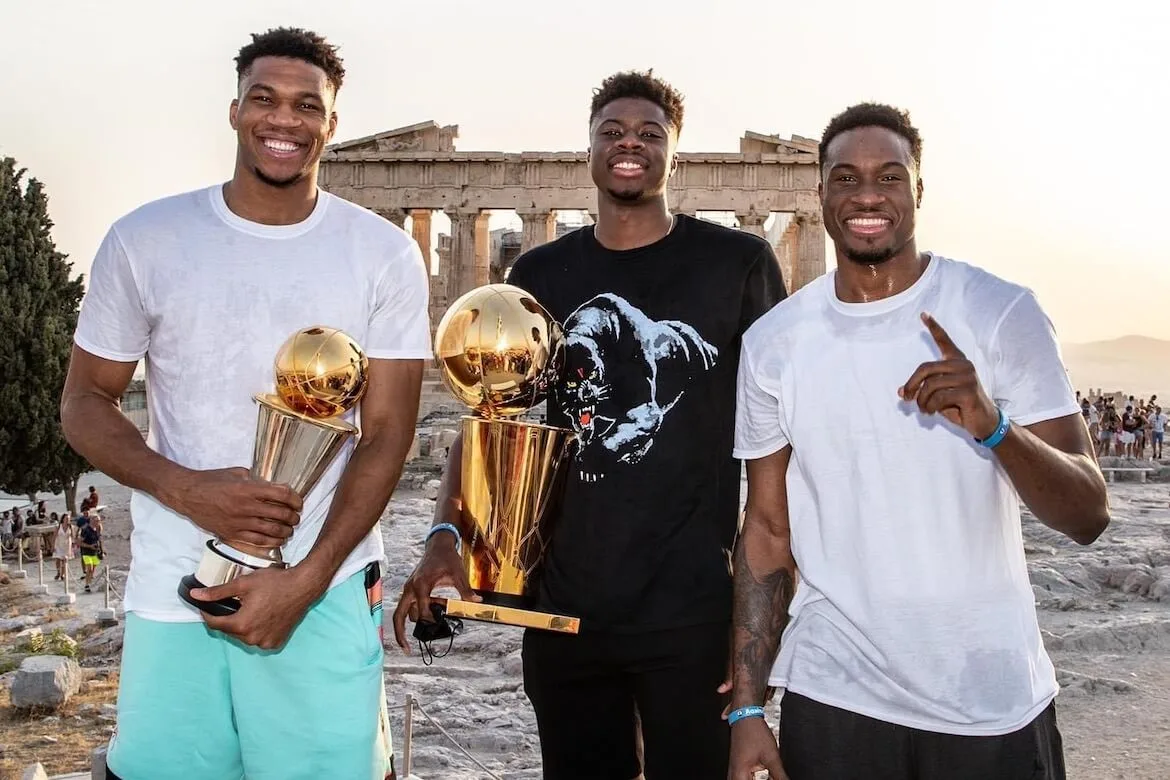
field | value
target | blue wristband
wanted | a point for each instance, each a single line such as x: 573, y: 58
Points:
x: 447, y: 527
x: 754, y: 711
x: 1000, y: 433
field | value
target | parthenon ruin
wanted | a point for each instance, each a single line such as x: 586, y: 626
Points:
x: 415, y: 170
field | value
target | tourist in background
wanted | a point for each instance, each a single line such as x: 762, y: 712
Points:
x: 63, y: 541
x: 207, y: 285
x: 910, y: 642
x: 653, y: 306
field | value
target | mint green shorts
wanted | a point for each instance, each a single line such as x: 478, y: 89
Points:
x: 194, y: 704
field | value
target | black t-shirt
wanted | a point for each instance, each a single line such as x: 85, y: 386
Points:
x: 643, y: 533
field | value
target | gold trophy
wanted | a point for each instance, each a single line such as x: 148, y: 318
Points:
x: 499, y: 351
x: 321, y: 373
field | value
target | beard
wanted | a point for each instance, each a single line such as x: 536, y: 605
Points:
x: 870, y: 256
x: 626, y: 196
x: 278, y: 183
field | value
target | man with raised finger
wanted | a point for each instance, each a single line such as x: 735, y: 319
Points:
x: 206, y: 286
x: 908, y: 647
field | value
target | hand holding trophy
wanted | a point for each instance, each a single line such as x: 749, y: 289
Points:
x: 321, y: 373
x: 499, y: 352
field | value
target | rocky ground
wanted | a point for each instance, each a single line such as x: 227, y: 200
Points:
x: 1104, y: 610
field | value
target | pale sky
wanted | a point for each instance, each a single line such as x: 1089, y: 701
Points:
x: 1043, y: 121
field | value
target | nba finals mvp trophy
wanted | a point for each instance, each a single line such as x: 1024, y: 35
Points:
x: 499, y: 351
x: 321, y: 374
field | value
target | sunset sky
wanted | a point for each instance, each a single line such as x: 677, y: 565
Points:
x: 1043, y: 122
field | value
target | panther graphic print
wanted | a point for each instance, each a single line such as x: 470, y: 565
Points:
x: 624, y: 372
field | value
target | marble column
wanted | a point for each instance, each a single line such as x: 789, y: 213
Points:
x: 810, y: 258
x: 752, y: 222
x: 470, y: 251
x: 787, y: 253
x: 420, y: 229
x: 539, y: 227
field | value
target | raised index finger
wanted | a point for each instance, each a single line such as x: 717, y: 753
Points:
x: 949, y: 350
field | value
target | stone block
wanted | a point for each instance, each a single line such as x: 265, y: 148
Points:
x: 34, y: 772
x: 107, y: 616
x: 45, y: 681
x: 67, y: 598
x: 431, y: 489
x: 97, y: 763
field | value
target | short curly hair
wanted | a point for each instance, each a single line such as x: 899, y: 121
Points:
x: 296, y: 43
x: 639, y: 84
x: 874, y: 115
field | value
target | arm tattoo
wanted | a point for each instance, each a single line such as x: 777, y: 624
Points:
x: 761, y: 613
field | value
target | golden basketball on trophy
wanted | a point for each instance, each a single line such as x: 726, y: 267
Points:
x: 320, y: 374
x: 499, y: 352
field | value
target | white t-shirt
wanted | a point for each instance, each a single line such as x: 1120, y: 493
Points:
x: 1158, y: 421
x: 913, y: 604
x: 208, y: 298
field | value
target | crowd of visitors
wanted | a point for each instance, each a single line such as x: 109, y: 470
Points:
x: 59, y: 537
x: 1127, y: 427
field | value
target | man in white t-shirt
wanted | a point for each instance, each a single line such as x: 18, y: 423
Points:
x: 910, y: 643
x: 1158, y: 432
x: 206, y: 286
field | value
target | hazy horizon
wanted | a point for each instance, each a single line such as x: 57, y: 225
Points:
x: 1041, y: 121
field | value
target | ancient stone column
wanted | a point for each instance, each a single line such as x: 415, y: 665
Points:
x: 752, y: 222
x: 420, y: 229
x: 539, y: 227
x: 470, y: 251
x: 810, y: 257
x: 397, y: 216
x: 787, y: 253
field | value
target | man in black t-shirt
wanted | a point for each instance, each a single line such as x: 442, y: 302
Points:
x: 653, y: 307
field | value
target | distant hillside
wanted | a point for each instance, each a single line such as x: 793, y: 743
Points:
x: 1136, y: 364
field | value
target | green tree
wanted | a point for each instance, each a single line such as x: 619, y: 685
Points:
x: 39, y: 301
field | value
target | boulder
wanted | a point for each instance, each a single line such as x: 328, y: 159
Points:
x: 45, y: 681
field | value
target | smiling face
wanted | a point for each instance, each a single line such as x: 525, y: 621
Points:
x: 870, y: 192
x: 631, y: 150
x: 283, y: 119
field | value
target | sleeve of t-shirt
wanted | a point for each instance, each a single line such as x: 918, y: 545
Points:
x: 112, y: 323
x: 1031, y: 383
x: 758, y: 431
x: 764, y: 288
x: 399, y: 324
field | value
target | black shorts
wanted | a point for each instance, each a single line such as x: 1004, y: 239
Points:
x: 819, y: 742
x: 585, y: 691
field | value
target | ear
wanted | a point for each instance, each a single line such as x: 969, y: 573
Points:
x: 233, y: 111
x: 588, y: 154
x: 673, y: 164
x: 332, y: 126
x: 820, y: 191
x: 918, y: 199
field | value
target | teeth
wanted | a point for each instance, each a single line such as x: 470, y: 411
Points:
x: 280, y: 146
x: 630, y: 166
x: 867, y: 222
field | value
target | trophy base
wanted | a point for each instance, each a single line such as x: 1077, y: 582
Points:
x: 219, y: 566
x: 512, y: 616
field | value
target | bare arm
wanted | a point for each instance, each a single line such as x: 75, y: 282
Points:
x: 1054, y: 468
x: 94, y: 426
x: 389, y: 411
x: 225, y: 502
x: 764, y: 580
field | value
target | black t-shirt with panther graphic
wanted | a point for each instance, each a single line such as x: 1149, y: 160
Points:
x: 642, y: 536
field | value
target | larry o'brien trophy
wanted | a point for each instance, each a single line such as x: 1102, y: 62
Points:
x: 321, y: 373
x: 499, y: 352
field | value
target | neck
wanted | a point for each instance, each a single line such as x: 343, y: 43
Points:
x: 256, y: 201
x: 629, y: 226
x: 860, y: 283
